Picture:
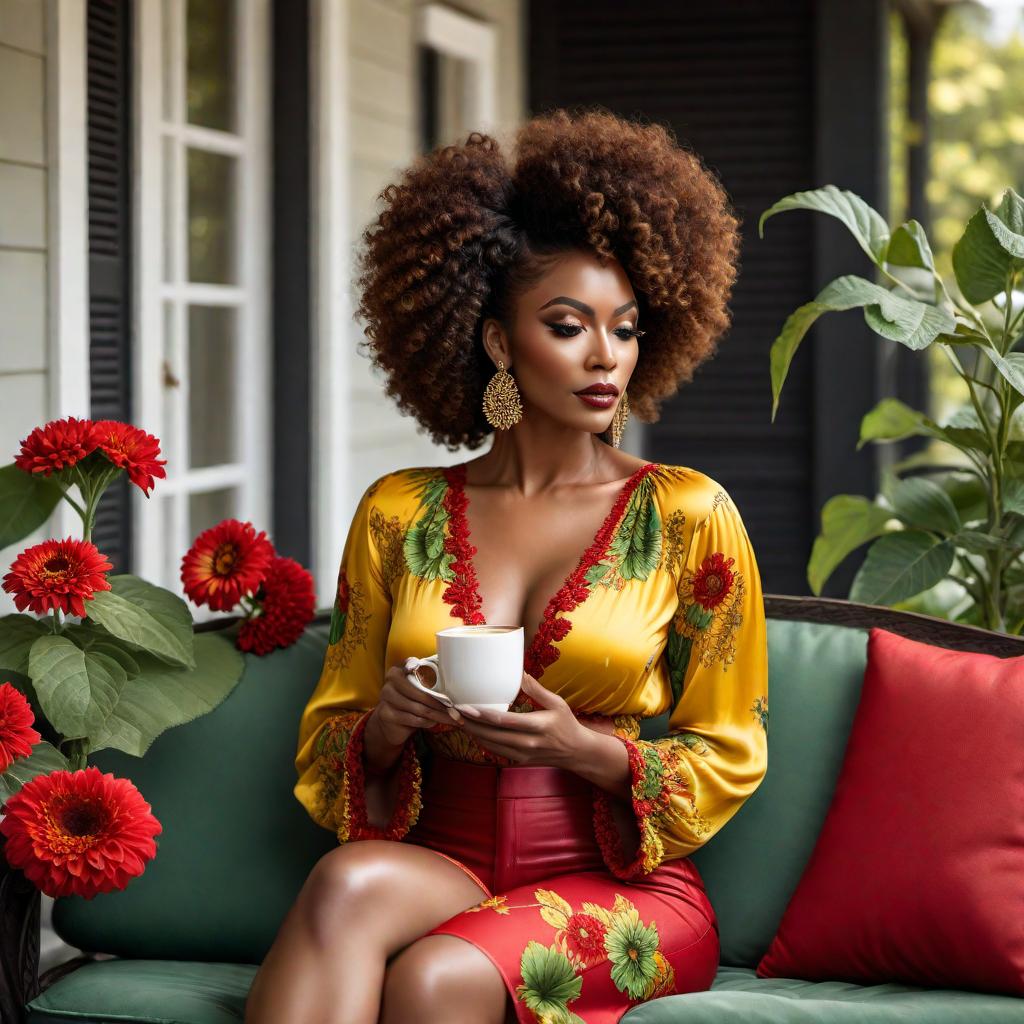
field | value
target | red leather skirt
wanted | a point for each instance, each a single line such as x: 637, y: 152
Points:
x: 550, y: 908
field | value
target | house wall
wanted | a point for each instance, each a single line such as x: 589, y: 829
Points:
x: 384, y: 115
x: 24, y: 401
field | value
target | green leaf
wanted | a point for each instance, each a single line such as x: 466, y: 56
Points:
x: 76, y: 689
x: 1007, y: 223
x: 900, y: 565
x: 866, y: 224
x: 891, y: 420
x: 162, y: 696
x: 17, y: 635
x: 637, y: 541
x: 1011, y: 366
x: 43, y: 759
x: 91, y: 637
x: 146, y: 617
x: 27, y: 500
x: 914, y: 324
x: 424, y: 542
x: 1012, y: 495
x: 909, y: 247
x: 924, y: 504
x: 847, y: 522
x: 977, y: 542
x: 981, y: 263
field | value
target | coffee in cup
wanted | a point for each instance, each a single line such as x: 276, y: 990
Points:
x: 477, y: 665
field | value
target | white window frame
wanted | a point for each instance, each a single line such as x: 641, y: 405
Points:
x: 162, y: 531
x: 455, y: 34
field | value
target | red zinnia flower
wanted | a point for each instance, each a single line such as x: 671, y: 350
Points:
x: 59, y: 444
x: 79, y: 833
x: 288, y: 606
x: 132, y: 449
x: 17, y: 737
x: 712, y: 583
x: 584, y: 938
x: 224, y: 563
x: 60, y: 574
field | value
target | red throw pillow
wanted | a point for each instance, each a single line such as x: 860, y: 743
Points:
x: 918, y: 872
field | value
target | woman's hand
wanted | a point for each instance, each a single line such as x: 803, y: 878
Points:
x: 402, y: 709
x: 550, y: 736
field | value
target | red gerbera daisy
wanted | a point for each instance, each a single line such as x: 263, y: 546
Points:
x: 132, y: 449
x: 17, y: 737
x: 288, y: 601
x: 79, y: 833
x: 60, y: 574
x: 584, y: 938
x: 224, y: 563
x: 712, y: 583
x: 59, y: 444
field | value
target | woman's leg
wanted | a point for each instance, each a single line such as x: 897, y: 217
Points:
x: 445, y: 979
x: 362, y: 903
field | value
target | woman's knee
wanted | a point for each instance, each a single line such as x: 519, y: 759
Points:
x: 441, y: 973
x: 343, y: 881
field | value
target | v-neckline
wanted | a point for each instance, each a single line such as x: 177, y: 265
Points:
x: 464, y: 590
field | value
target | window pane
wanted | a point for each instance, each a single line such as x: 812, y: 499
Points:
x: 210, y: 47
x: 170, y: 371
x: 211, y: 217
x: 212, y: 399
x: 206, y: 509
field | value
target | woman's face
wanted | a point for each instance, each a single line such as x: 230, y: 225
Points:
x: 573, y: 329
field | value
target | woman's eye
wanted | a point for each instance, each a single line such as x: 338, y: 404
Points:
x: 566, y: 330
x: 571, y: 330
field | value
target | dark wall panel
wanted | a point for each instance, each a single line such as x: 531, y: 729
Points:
x: 738, y: 82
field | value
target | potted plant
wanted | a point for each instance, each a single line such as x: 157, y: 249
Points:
x: 964, y: 523
x: 92, y: 661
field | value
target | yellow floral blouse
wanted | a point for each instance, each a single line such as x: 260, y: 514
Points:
x: 663, y: 612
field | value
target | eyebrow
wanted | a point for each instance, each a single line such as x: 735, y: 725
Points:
x: 583, y: 307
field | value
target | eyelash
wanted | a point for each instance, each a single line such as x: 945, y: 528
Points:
x: 575, y: 328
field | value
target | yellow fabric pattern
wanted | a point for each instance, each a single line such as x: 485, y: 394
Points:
x: 663, y: 613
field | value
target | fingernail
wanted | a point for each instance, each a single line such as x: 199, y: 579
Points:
x: 467, y: 710
x: 454, y: 714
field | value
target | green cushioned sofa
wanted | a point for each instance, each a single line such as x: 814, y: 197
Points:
x: 181, y: 942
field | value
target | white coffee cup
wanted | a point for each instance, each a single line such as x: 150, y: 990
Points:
x: 477, y: 665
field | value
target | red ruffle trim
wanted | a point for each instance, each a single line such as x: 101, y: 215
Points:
x: 606, y: 831
x: 407, y: 805
x: 463, y: 591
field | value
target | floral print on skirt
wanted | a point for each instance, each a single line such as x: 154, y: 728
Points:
x: 573, y: 942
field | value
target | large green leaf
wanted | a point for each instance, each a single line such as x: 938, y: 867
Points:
x: 43, y: 759
x: 922, y: 503
x: 900, y: 565
x: 866, y: 224
x: 847, y: 521
x: 909, y: 247
x: 17, y: 635
x: 146, y: 617
x: 161, y: 696
x: 1007, y: 223
x: 77, y: 689
x: 1011, y: 366
x: 26, y: 501
x: 914, y: 324
x: 981, y: 259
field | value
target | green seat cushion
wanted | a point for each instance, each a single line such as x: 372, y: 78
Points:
x: 172, y: 991
x: 738, y: 996
x: 752, y: 866
x: 186, y: 992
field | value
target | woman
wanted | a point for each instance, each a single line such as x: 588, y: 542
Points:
x: 532, y: 865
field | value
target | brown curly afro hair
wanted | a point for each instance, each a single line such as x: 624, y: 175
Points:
x: 465, y: 230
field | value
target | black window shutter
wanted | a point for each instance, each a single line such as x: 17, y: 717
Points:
x: 110, y: 244
x: 758, y: 89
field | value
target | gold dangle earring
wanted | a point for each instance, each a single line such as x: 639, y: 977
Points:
x: 502, y: 406
x: 619, y: 420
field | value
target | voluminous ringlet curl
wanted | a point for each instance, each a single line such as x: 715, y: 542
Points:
x: 465, y: 229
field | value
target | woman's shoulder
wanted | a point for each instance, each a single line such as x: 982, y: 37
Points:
x: 399, y: 487
x: 690, y: 491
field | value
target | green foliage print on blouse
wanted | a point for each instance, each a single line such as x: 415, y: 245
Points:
x: 634, y: 551
x: 424, y: 543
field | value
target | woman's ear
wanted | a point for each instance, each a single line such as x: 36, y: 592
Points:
x: 495, y: 342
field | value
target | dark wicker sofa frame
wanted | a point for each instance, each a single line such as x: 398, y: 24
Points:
x: 20, y: 901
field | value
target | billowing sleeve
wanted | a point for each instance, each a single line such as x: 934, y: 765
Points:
x: 329, y: 762
x: 686, y: 785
